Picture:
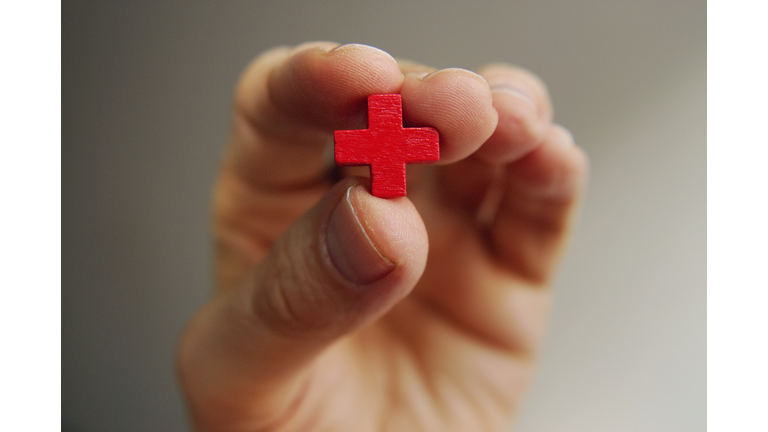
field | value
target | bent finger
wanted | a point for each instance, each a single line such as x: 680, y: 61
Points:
x: 525, y: 113
x: 535, y: 212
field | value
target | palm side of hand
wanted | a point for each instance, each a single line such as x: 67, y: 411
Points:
x: 457, y: 351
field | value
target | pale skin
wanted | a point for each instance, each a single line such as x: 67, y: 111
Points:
x: 339, y: 311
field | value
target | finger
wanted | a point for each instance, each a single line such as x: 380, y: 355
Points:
x: 289, y: 101
x: 525, y: 113
x: 457, y: 102
x: 535, y: 212
x: 489, y: 284
x: 246, y: 358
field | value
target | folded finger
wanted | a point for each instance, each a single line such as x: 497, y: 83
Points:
x: 534, y: 215
x: 525, y: 113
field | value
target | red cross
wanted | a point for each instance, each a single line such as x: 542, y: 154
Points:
x: 386, y: 146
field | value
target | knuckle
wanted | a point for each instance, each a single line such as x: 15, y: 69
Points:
x: 278, y: 310
x: 290, y: 307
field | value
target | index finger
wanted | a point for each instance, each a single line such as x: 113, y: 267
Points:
x: 289, y: 100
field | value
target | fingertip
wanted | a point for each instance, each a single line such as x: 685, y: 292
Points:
x: 457, y: 102
x: 528, y: 84
x: 525, y: 113
x: 556, y: 169
x: 577, y: 157
x: 326, y: 85
x: 519, y: 129
x: 395, y: 228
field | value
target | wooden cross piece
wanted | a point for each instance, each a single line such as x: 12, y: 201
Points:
x: 386, y: 145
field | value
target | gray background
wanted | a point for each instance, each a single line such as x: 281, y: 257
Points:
x: 146, y: 101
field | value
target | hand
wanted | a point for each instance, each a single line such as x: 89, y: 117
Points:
x: 334, y: 311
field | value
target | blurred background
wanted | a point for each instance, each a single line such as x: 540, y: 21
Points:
x: 146, y: 91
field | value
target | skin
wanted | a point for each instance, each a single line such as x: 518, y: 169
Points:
x: 340, y: 311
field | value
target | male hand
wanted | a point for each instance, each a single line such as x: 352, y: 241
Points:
x: 334, y: 312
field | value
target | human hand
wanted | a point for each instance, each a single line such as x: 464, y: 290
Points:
x: 333, y: 310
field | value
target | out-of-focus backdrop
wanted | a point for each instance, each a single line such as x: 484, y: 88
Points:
x: 145, y: 113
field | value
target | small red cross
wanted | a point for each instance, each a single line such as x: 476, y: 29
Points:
x: 386, y: 146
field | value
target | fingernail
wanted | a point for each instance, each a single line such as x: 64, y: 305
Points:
x: 350, y: 248
x: 342, y: 47
x: 513, y: 91
x: 419, y: 75
x: 428, y: 75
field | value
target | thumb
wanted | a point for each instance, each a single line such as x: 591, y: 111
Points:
x: 245, y: 357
